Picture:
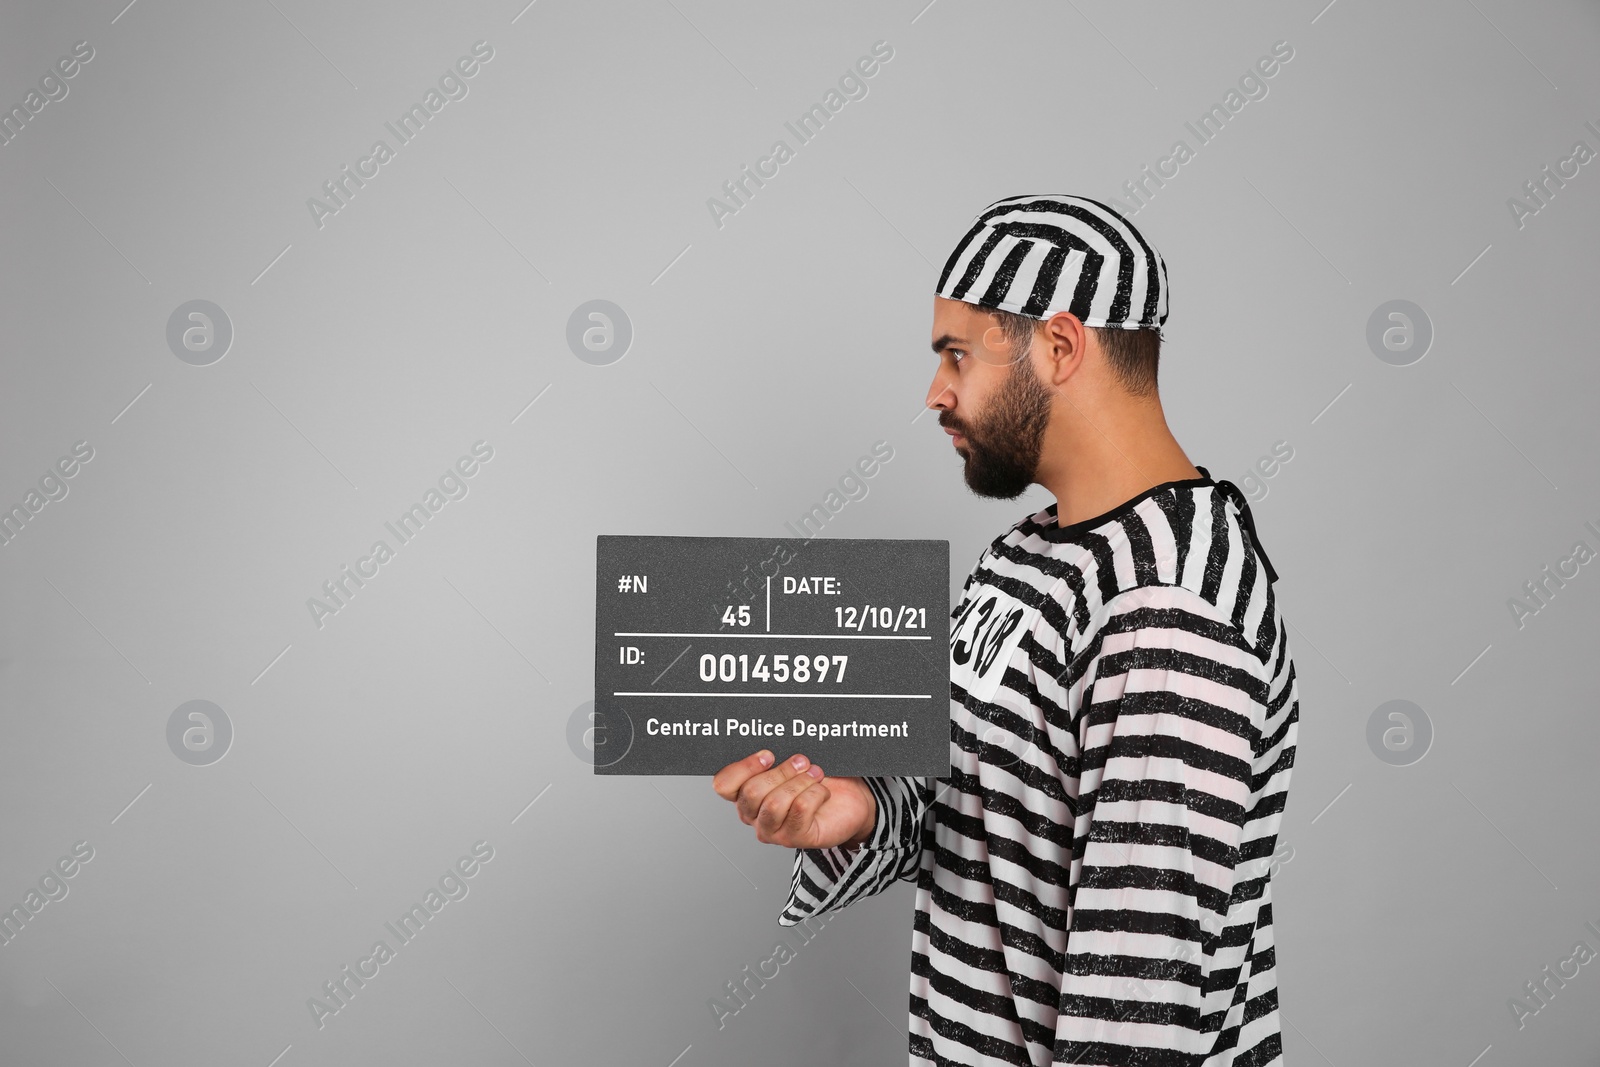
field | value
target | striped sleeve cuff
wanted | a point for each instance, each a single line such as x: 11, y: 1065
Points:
x: 828, y: 879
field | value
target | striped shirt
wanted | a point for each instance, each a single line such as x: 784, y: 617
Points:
x: 1094, y: 874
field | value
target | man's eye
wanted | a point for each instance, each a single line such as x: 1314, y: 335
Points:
x: 956, y: 354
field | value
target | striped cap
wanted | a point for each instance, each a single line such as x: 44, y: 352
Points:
x: 1039, y: 255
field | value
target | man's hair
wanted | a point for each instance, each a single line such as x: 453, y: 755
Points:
x: 1134, y: 355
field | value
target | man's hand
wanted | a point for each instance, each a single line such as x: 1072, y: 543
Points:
x: 792, y: 806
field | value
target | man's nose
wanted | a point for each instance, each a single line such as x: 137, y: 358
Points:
x: 940, y: 395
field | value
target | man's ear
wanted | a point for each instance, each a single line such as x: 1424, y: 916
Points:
x: 1065, y: 339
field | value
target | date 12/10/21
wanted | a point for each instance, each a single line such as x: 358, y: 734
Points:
x: 731, y: 668
x: 885, y: 617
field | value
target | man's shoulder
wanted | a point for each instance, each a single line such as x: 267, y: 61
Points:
x: 1156, y: 603
x: 1178, y: 547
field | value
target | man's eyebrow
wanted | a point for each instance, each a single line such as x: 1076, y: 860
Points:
x: 942, y: 343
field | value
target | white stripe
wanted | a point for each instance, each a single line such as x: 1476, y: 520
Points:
x: 991, y: 265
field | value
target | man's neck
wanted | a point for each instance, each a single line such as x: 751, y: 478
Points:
x: 1092, y: 464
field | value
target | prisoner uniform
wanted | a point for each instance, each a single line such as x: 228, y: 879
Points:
x: 1093, y: 875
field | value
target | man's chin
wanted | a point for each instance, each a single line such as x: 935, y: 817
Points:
x: 997, y: 495
x: 1009, y: 490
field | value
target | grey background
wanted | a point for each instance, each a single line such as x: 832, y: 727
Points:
x: 767, y: 355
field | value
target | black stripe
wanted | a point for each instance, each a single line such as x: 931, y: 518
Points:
x: 976, y: 267
x: 1000, y: 285
x: 1179, y: 510
x: 1105, y: 564
x: 1045, y: 282
x: 1217, y: 559
x: 1082, y: 297
x: 1247, y: 582
x: 1142, y: 548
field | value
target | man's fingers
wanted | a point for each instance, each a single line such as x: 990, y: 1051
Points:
x: 754, y: 792
x: 727, y: 781
x: 773, y: 816
x: 803, y: 812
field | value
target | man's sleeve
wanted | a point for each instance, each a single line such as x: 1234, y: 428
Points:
x: 827, y: 879
x: 1168, y: 731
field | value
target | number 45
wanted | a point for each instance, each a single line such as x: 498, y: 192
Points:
x: 744, y: 616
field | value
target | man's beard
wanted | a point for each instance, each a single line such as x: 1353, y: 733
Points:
x: 1002, y: 447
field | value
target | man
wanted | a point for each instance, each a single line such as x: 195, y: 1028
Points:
x: 1093, y: 875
